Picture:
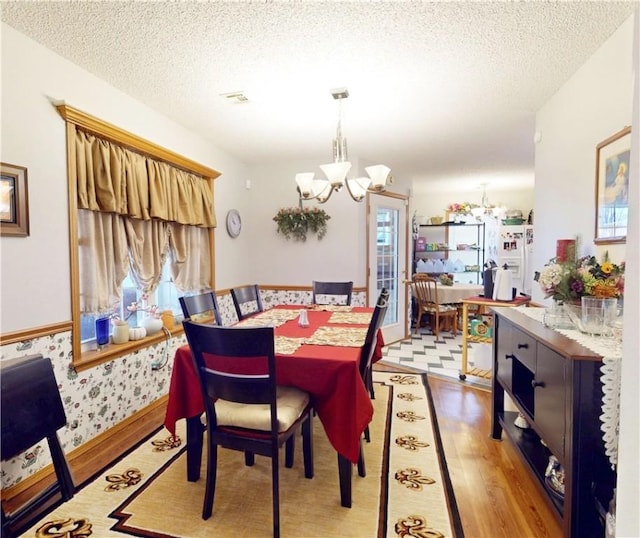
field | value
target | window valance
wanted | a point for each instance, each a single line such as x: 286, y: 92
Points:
x: 114, y: 179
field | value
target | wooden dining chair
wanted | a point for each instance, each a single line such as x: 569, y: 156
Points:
x: 32, y: 411
x: 247, y: 301
x: 201, y: 307
x: 245, y: 409
x: 340, y: 291
x: 371, y: 340
x: 425, y: 289
x: 366, y: 358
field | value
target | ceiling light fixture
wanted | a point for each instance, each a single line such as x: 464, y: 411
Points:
x: 336, y: 172
x: 235, y: 97
x: 486, y: 209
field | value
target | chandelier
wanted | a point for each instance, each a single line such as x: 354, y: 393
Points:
x: 486, y: 209
x: 336, y: 172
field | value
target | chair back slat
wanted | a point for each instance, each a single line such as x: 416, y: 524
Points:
x: 247, y: 301
x: 426, y: 289
x: 337, y: 289
x: 202, y: 305
x: 234, y: 363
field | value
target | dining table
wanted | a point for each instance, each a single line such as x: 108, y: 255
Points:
x: 321, y: 358
x: 457, y: 292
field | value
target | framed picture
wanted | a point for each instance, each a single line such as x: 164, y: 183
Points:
x: 612, y: 188
x: 14, y: 203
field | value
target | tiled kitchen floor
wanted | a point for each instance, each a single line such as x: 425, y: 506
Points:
x: 442, y: 357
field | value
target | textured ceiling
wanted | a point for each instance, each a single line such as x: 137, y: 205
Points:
x: 437, y: 89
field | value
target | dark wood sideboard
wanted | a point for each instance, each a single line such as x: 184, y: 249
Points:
x: 555, y: 383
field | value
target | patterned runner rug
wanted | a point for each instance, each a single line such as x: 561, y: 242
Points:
x: 406, y: 492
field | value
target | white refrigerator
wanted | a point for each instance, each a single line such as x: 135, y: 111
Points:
x: 515, y: 250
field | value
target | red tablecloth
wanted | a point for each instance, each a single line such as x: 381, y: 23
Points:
x: 329, y: 373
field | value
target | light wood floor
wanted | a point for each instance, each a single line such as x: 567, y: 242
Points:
x: 495, y: 495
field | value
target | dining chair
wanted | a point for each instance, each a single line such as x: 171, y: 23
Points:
x: 247, y: 301
x: 201, y: 307
x: 366, y: 358
x: 32, y: 411
x: 245, y: 409
x: 341, y: 291
x: 425, y: 289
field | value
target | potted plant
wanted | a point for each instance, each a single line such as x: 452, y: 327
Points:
x: 295, y: 222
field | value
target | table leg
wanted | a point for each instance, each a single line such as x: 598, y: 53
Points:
x: 344, y: 471
x: 195, y: 430
x: 465, y: 329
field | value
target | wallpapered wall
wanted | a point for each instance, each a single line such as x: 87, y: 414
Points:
x: 98, y: 398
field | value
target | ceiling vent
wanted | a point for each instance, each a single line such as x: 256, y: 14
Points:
x: 235, y: 97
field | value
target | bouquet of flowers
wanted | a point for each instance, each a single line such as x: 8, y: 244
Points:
x: 463, y: 209
x: 586, y: 277
x: 141, y: 306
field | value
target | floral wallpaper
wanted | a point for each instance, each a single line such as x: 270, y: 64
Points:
x: 99, y: 398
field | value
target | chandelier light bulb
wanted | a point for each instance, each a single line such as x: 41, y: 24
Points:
x: 336, y: 173
x: 358, y: 187
x: 305, y: 184
x: 378, y: 174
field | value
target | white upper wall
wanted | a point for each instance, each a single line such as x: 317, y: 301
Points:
x: 432, y: 204
x: 340, y: 255
x: 629, y: 476
x: 593, y: 105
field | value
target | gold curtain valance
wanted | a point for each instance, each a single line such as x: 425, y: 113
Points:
x: 114, y: 179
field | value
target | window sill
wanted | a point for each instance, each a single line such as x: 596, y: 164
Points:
x: 94, y: 357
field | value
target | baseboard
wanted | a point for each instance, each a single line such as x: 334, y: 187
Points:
x: 93, y: 456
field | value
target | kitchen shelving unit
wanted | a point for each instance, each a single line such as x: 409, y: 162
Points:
x: 441, y: 243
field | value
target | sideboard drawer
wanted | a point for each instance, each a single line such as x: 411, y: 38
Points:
x: 523, y: 347
x: 504, y: 356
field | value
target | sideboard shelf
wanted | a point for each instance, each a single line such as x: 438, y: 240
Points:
x: 531, y: 449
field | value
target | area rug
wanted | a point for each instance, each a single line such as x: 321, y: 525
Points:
x: 406, y: 492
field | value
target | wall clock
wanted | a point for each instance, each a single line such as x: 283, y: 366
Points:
x: 234, y: 223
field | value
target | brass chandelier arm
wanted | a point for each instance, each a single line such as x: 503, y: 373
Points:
x: 356, y: 197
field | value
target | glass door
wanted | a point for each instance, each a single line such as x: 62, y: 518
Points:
x: 388, y: 236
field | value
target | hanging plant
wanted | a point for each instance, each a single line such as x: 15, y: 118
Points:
x: 295, y: 222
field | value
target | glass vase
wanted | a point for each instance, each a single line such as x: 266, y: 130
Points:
x: 598, y: 314
x: 557, y: 316
x: 102, y: 331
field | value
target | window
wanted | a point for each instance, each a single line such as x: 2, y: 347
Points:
x: 175, y: 199
x: 165, y: 297
x: 387, y: 257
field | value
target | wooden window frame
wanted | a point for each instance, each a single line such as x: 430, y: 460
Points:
x: 76, y: 119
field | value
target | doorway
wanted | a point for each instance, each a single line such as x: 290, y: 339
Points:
x: 388, y: 234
